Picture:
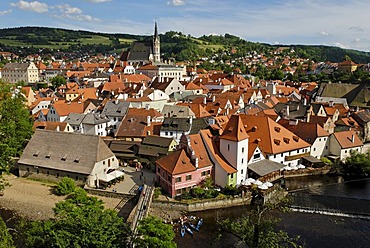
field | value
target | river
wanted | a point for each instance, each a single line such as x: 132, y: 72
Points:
x: 316, y: 230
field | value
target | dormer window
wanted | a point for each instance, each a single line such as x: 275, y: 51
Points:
x: 286, y: 140
x: 36, y: 154
x: 47, y: 156
x: 64, y: 158
x: 277, y: 129
x: 277, y: 142
x: 295, y: 138
x: 77, y: 160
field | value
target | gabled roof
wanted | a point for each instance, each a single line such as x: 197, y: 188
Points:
x: 176, y: 163
x: 176, y: 124
x: 215, y: 152
x: 347, y: 139
x: 72, y: 152
x: 234, y: 129
x: 197, y: 145
x: 49, y: 125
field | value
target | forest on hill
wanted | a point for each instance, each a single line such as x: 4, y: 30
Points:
x: 174, y: 45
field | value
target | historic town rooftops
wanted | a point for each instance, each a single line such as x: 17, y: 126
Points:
x: 65, y: 151
x: 306, y: 131
x: 176, y: 124
x: 157, y: 141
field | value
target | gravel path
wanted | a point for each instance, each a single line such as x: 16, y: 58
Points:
x: 34, y: 200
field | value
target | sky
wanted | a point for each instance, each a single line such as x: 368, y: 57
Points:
x: 342, y: 23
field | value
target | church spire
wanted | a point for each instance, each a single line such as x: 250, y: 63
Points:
x: 155, y: 30
x: 156, y: 45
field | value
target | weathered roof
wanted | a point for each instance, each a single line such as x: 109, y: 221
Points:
x: 157, y: 141
x: 177, y: 111
x: 264, y: 167
x: 74, y: 119
x: 115, y: 108
x: 72, y: 152
x: 176, y: 124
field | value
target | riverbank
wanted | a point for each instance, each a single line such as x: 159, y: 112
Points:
x: 34, y: 200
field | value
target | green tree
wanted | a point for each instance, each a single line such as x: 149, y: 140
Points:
x: 357, y: 164
x: 6, y: 240
x: 58, y: 81
x: 80, y: 221
x: 65, y: 187
x: 258, y: 229
x: 15, y: 125
x: 152, y: 232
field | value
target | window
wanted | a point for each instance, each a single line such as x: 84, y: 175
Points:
x: 178, y: 179
x: 231, y: 176
x: 47, y: 173
x: 169, y: 178
x: 188, y: 177
x: 171, y: 133
x: 242, y: 161
x: 159, y: 170
x: 103, y: 162
x: 203, y: 173
x: 178, y: 191
x: 257, y: 155
x: 242, y: 149
x: 314, y: 149
x: 242, y: 171
x: 57, y: 174
x: 228, y: 147
x: 166, y: 133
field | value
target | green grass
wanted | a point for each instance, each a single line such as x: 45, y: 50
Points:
x: 43, y: 181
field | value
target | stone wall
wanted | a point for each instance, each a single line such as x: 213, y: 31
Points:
x: 49, y: 174
x: 201, y: 205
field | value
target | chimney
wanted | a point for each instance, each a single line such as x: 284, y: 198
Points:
x: 196, y: 163
x: 353, y: 138
x: 331, y: 103
x: 58, y: 129
x: 148, y: 121
x: 190, y: 120
x: 205, y: 100
x: 125, y: 96
x: 304, y: 101
x: 213, y: 98
x: 287, y: 111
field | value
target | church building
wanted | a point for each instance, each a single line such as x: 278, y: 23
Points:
x: 144, y: 52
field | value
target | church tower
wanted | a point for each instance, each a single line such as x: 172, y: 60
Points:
x: 156, y: 46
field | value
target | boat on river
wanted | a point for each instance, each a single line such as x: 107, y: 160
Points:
x: 182, y: 231
x: 199, y: 224
x: 188, y: 230
x: 193, y: 226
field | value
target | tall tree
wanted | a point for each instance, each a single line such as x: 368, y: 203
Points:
x: 80, y: 221
x: 15, y: 125
x: 152, y: 232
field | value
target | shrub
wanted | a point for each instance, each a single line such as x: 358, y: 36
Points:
x: 197, y: 192
x: 157, y: 192
x: 231, y: 190
x: 65, y: 187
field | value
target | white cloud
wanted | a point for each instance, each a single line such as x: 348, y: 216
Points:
x: 176, y: 2
x: 5, y: 12
x: 35, y: 6
x: 338, y: 44
x: 98, y: 1
x: 324, y: 33
x: 356, y: 28
x: 72, y: 13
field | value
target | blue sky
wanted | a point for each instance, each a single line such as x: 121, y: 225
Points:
x: 327, y: 22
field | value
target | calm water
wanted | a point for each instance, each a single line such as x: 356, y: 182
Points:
x: 316, y: 230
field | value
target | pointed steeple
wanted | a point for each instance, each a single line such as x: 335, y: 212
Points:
x: 155, y: 30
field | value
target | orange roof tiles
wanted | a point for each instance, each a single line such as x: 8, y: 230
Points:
x: 348, y: 139
x: 234, y: 129
x: 271, y: 137
x: 176, y: 163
